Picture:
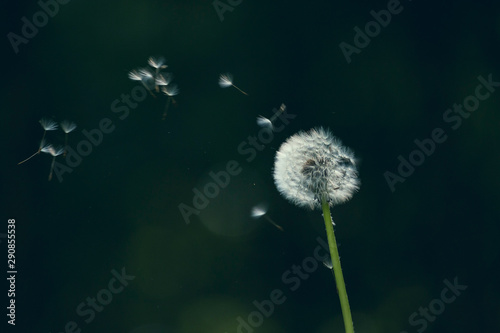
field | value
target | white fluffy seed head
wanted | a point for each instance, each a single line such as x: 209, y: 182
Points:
x: 313, y: 165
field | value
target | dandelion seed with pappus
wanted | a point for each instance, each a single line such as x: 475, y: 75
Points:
x: 144, y: 76
x: 226, y: 80
x: 157, y: 63
x: 171, y: 91
x: 47, y: 125
x: 54, y: 152
x: 261, y: 211
x: 67, y: 127
x: 313, y: 169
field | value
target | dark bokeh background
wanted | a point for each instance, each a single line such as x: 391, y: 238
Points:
x: 119, y: 207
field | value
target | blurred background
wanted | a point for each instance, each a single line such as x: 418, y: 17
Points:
x: 117, y: 211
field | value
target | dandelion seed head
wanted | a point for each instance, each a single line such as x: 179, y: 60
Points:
x: 67, y: 126
x: 48, y: 124
x: 313, y: 165
x: 226, y: 80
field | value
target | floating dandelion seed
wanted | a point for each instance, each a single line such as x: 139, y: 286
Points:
x: 170, y: 90
x: 134, y: 75
x: 164, y: 79
x: 144, y: 76
x: 145, y: 73
x: 268, y: 123
x: 54, y: 152
x: 157, y: 63
x: 148, y: 79
x: 327, y: 262
x: 261, y: 211
x: 47, y: 125
x: 313, y: 169
x: 67, y: 127
x: 226, y: 80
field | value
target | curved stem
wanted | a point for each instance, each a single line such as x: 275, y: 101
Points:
x: 29, y: 157
x: 337, y: 270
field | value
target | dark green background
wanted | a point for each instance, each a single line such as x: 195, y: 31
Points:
x: 119, y: 208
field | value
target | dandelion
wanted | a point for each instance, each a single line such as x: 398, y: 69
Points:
x: 313, y: 169
x: 170, y: 90
x: 47, y: 125
x: 67, y: 127
x: 54, y: 152
x: 268, y: 123
x: 226, y: 80
x: 261, y: 210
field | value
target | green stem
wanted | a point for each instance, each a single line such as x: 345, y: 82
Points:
x: 337, y: 270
